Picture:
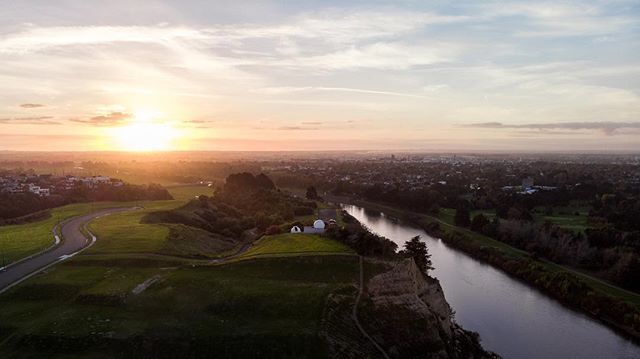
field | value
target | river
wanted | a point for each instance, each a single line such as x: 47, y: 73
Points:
x: 513, y: 319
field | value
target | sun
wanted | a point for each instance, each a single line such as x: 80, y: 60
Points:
x: 145, y: 133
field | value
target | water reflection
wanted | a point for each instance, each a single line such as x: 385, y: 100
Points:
x: 513, y: 319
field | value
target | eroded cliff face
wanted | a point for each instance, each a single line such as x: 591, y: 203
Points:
x: 408, y: 315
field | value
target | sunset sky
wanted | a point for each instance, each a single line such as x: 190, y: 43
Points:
x: 330, y: 75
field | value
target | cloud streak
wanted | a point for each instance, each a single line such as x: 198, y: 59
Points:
x: 40, y: 120
x: 31, y: 105
x: 607, y: 127
x: 112, y: 119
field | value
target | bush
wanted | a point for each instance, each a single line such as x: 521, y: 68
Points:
x: 273, y: 229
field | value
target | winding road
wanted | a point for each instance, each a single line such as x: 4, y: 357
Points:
x: 74, y: 242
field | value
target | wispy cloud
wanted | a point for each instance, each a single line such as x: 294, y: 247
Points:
x: 555, y: 19
x: 609, y: 128
x: 108, y: 120
x: 40, y: 120
x: 297, y: 128
x: 31, y: 105
x: 282, y: 90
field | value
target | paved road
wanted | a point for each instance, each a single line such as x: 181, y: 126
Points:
x: 74, y: 241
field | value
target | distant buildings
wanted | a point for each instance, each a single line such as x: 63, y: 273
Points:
x: 45, y: 185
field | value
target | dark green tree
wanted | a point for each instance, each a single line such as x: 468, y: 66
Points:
x: 480, y: 223
x: 462, y: 217
x: 417, y: 249
x: 312, y: 193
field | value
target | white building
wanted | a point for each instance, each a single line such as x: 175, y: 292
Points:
x: 319, y: 224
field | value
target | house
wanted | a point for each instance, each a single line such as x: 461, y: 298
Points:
x: 296, y: 229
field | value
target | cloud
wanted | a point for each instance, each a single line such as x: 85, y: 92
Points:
x: 296, y: 128
x: 281, y: 90
x: 40, y: 120
x: 311, y: 123
x: 109, y: 120
x: 609, y: 128
x: 553, y: 19
x: 31, y: 105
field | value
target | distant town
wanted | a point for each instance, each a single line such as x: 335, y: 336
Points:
x: 45, y: 185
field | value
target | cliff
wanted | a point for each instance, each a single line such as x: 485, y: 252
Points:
x: 407, y: 314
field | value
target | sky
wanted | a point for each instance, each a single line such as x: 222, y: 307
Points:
x: 320, y: 75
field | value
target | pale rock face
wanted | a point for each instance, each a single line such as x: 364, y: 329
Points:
x: 406, y: 286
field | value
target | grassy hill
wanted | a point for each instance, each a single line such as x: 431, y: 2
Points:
x: 152, y: 285
x: 269, y: 307
x: 295, y: 244
x: 19, y: 241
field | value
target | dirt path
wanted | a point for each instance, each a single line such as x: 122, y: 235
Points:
x: 355, y: 313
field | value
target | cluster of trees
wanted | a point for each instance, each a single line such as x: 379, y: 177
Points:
x: 621, y: 210
x: 245, y: 202
x: 607, y: 251
x: 419, y: 200
x: 247, y: 182
x: 363, y: 241
x: 366, y: 243
x: 564, y: 286
x: 14, y: 205
x: 21, y: 204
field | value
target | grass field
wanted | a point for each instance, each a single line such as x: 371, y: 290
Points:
x: 564, y: 217
x: 294, y: 243
x: 186, y: 193
x: 19, y: 241
x: 272, y: 306
x: 572, y: 217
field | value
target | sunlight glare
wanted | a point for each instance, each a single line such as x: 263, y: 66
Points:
x: 144, y: 134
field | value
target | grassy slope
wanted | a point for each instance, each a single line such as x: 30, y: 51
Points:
x: 293, y: 244
x: 271, y: 305
x: 262, y: 305
x: 19, y: 241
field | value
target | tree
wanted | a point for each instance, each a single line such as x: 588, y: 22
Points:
x: 462, y: 217
x: 416, y: 249
x: 480, y: 223
x: 312, y: 193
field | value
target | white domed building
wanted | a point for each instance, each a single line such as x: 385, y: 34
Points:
x: 319, y: 224
x: 318, y: 227
x: 296, y: 229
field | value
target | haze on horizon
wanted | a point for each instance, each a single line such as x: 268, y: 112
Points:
x: 311, y: 75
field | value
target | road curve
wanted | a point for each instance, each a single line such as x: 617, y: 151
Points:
x: 74, y: 242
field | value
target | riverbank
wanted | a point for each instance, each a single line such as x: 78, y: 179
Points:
x: 615, y: 307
